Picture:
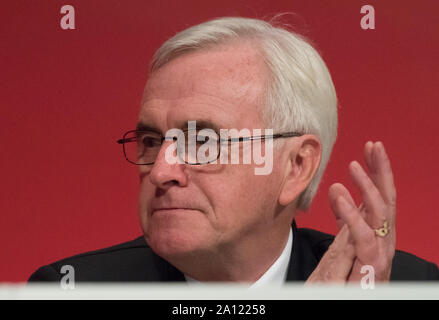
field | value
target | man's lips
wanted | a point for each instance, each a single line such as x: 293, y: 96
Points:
x: 156, y: 210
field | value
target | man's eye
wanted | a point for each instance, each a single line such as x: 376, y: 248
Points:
x: 204, y: 138
x: 150, y: 142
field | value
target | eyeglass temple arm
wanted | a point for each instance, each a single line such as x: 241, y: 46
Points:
x: 239, y: 139
x: 270, y: 136
x: 124, y: 140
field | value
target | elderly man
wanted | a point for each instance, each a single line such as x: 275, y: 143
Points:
x: 217, y: 220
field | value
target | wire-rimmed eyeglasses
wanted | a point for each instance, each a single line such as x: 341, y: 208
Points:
x: 141, y: 147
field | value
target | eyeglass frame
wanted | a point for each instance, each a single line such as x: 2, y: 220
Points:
x: 238, y: 139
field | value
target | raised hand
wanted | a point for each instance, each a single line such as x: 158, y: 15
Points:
x: 371, y: 226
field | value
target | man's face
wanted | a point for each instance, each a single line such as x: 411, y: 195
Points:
x: 188, y: 209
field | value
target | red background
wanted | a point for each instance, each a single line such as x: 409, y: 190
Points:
x: 66, y: 96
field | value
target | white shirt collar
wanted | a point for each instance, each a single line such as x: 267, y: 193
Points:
x: 276, y: 274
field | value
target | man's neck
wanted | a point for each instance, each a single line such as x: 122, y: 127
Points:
x: 277, y: 272
x: 246, y: 263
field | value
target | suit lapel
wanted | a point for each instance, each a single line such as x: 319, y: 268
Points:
x: 302, y: 260
x: 166, y: 271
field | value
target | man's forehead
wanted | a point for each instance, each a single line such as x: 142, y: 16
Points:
x: 233, y: 72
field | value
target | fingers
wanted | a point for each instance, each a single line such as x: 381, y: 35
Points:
x: 337, y: 262
x: 377, y: 189
x: 359, y: 229
x: 377, y: 211
x: 338, y: 190
x: 378, y: 195
x: 380, y: 170
x: 368, y: 148
x: 335, y: 191
x: 368, y: 249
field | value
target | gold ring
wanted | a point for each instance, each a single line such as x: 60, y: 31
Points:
x: 383, y: 231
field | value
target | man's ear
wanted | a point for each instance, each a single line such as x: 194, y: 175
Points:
x: 302, y: 163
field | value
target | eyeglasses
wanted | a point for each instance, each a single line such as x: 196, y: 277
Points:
x: 143, y: 147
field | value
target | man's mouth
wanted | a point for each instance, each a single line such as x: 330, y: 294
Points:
x: 171, y: 209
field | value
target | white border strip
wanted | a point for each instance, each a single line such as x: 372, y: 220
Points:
x: 165, y: 291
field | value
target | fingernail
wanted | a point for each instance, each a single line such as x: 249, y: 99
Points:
x: 355, y: 165
x: 381, y: 148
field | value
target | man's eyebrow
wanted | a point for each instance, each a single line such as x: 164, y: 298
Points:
x: 141, y: 126
x: 201, y: 124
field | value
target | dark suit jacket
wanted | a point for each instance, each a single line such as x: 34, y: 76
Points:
x: 135, y: 261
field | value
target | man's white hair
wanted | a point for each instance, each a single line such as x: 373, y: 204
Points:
x: 300, y: 96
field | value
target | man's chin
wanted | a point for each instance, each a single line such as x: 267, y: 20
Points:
x: 174, y: 245
x: 172, y: 233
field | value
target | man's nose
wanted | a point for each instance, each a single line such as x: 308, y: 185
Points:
x: 163, y: 174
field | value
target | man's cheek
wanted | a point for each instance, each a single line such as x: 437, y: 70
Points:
x: 143, y: 205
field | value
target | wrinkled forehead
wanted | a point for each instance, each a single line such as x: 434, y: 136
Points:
x: 228, y: 81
